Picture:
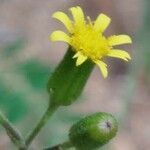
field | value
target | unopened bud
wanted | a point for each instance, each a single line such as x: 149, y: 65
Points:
x: 93, y: 131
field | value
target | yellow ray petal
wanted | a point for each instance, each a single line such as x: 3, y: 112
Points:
x: 119, y: 39
x: 64, y: 19
x: 76, y: 55
x: 103, y: 68
x: 60, y: 36
x: 119, y: 54
x: 101, y: 23
x: 78, y: 15
x: 81, y: 59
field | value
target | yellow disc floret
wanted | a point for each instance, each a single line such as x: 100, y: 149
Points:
x: 90, y: 43
x: 87, y: 39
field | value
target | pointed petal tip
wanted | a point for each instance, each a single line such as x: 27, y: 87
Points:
x: 76, y: 55
x: 129, y: 57
x: 51, y: 37
x: 80, y: 59
x: 62, y: 17
x: 102, y: 22
x: 78, y: 15
x: 59, y: 36
x: 106, y: 16
x: 117, y: 53
x: 72, y: 8
x: 130, y: 40
x: 103, y: 67
x: 119, y: 40
x: 79, y: 7
x: 55, y: 14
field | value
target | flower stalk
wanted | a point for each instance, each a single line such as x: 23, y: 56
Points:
x: 51, y: 109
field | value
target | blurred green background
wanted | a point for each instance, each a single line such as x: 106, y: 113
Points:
x: 27, y: 58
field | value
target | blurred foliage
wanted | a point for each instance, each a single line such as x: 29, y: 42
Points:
x: 12, y: 102
x: 12, y: 48
x: 35, y: 72
x: 143, y: 38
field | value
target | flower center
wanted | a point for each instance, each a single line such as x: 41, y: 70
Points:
x: 89, y: 42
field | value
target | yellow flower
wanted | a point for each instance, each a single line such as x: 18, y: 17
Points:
x: 87, y: 39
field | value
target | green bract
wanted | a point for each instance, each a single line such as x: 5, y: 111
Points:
x: 67, y: 82
x: 93, y: 131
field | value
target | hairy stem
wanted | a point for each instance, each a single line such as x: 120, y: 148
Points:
x: 12, y: 132
x: 42, y: 122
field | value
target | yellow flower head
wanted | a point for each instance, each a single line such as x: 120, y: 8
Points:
x: 87, y: 39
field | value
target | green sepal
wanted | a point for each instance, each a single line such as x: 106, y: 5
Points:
x: 68, y: 80
x: 93, y: 131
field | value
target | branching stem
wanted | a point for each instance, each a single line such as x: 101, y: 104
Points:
x: 12, y: 132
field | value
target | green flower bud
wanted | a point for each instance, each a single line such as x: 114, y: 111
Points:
x: 93, y: 131
x: 67, y: 82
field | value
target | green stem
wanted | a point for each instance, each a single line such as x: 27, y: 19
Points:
x: 12, y: 132
x: 51, y: 109
x: 63, y: 146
